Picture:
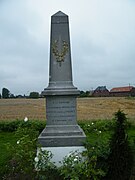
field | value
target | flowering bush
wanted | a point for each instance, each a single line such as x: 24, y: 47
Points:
x: 22, y: 163
x: 44, y: 167
x: 79, y: 166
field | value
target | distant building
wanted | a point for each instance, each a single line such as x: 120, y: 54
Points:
x: 101, y: 91
x: 123, y: 91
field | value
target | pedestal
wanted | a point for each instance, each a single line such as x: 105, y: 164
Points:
x: 59, y: 153
x: 62, y: 134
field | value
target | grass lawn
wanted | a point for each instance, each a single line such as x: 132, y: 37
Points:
x: 5, y: 138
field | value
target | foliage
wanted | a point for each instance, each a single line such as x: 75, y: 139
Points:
x: 34, y: 95
x: 44, y: 167
x: 97, y: 145
x: 11, y: 126
x: 5, y: 155
x: 97, y: 126
x: 0, y: 96
x: 21, y: 164
x: 92, y: 164
x: 120, y: 157
x: 5, y: 93
x: 78, y: 166
x: 72, y: 166
x: 84, y: 94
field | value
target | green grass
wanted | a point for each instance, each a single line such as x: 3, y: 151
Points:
x: 5, y: 138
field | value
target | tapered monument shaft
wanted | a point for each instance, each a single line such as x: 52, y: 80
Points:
x: 60, y: 72
x: 62, y: 129
x: 60, y: 56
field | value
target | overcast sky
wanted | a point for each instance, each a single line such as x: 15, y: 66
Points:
x: 102, y: 34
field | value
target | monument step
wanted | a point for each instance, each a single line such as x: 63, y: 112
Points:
x: 62, y: 141
x: 62, y: 130
x: 62, y: 127
x: 58, y: 133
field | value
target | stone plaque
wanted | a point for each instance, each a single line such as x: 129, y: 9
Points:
x: 61, y: 110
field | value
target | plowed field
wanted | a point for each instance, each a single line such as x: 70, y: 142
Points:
x: 87, y: 108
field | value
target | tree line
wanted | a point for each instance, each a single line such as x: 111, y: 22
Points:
x: 7, y: 94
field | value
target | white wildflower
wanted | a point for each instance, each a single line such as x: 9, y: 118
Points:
x: 25, y: 119
x: 36, y: 159
x: 100, y: 132
x: 75, y: 159
x: 93, y: 147
x: 18, y: 142
x: 92, y: 123
x: 88, y: 125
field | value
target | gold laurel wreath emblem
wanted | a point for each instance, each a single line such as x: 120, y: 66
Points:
x: 60, y: 55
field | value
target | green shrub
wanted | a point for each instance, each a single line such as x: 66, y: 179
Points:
x: 44, y: 167
x: 120, y: 158
x: 11, y: 126
x: 80, y: 166
x: 98, y: 146
x: 21, y: 165
x: 100, y: 125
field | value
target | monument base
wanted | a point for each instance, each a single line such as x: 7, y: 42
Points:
x: 60, y: 152
x: 62, y: 136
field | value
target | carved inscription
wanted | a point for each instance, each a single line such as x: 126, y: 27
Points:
x: 61, y: 110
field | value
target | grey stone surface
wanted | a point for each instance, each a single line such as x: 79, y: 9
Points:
x: 61, y: 110
x: 62, y: 128
x: 60, y: 152
x: 60, y: 72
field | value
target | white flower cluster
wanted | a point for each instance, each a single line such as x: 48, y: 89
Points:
x: 91, y: 124
x: 76, y: 158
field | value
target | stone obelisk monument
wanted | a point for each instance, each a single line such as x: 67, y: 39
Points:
x: 62, y: 130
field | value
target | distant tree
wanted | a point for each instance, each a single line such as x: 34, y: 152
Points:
x: 5, y: 93
x: 0, y: 96
x: 87, y: 93
x: 12, y: 96
x: 84, y: 94
x: 34, y: 95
